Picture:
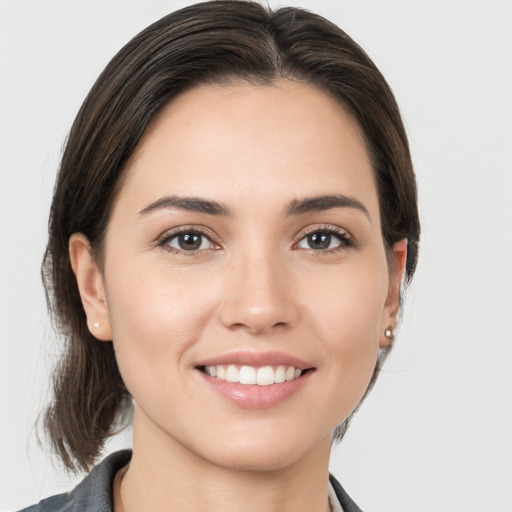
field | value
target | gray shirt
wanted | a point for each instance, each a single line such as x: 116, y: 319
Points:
x: 94, y: 493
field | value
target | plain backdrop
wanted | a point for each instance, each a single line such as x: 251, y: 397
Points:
x: 436, y: 433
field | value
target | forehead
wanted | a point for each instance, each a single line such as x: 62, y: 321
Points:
x: 239, y: 142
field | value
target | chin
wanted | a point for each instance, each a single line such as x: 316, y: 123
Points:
x: 257, y: 461
x: 265, y: 454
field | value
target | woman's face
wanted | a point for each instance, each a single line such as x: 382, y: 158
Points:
x: 246, y: 243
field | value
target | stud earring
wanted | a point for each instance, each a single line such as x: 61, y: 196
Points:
x: 389, y: 333
x: 96, y: 324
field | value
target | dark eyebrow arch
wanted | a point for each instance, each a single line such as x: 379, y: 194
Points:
x: 191, y: 204
x: 319, y: 203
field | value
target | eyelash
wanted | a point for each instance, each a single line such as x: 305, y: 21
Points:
x: 346, y: 240
x: 163, y: 241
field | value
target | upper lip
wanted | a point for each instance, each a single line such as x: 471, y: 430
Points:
x: 256, y: 359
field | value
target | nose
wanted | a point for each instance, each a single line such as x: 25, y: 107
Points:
x: 259, y: 295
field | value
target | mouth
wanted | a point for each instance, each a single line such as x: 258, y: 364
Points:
x: 255, y: 380
x: 254, y: 375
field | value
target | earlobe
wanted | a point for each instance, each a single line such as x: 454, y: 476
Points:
x: 392, y: 306
x: 90, y: 285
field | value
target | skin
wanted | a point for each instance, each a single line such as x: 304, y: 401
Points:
x: 258, y: 286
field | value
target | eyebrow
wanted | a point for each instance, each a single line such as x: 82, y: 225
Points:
x: 296, y: 207
x: 191, y: 204
x: 320, y: 203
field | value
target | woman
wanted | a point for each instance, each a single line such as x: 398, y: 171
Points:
x: 233, y: 219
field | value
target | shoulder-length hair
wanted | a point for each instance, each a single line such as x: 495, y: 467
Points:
x: 213, y: 42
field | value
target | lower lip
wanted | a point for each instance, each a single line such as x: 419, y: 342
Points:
x: 253, y: 396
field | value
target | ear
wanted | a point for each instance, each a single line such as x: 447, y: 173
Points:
x: 392, y: 305
x: 90, y: 286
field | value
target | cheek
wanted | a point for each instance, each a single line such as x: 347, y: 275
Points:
x: 155, y: 317
x: 348, y: 305
x: 347, y: 319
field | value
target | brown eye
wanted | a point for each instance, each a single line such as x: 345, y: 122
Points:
x: 189, y: 241
x: 319, y: 240
x: 325, y: 240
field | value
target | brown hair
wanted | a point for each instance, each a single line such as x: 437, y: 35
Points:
x: 210, y: 42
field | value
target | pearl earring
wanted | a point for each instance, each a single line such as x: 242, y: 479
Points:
x: 389, y: 333
x: 96, y: 324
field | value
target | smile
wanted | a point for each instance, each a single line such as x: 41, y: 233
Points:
x: 251, y: 375
x: 255, y: 380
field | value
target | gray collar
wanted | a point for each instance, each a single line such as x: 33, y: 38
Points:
x: 94, y: 493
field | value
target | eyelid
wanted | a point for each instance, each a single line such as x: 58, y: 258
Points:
x: 163, y: 239
x: 324, y: 227
x: 344, y: 235
x: 346, y: 238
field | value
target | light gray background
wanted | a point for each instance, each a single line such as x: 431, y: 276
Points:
x: 435, y: 435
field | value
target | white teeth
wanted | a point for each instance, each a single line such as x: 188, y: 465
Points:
x: 232, y: 373
x: 211, y: 370
x: 265, y: 376
x: 280, y: 374
x: 249, y: 375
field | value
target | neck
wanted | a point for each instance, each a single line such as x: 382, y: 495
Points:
x: 163, y: 475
